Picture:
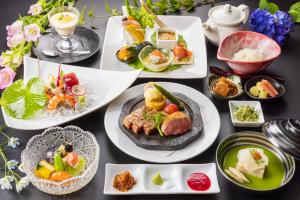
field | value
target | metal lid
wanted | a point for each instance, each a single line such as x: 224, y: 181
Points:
x: 226, y: 14
x: 284, y: 134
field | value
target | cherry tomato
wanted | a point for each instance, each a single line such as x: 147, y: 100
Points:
x: 171, y: 108
x: 180, y: 52
x: 71, y: 79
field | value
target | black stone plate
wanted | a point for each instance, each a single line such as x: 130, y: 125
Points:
x: 155, y: 141
x: 252, y: 82
x: 87, y: 40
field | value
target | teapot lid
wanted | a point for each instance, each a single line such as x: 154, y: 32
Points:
x: 226, y: 15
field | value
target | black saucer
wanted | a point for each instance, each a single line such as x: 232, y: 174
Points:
x: 87, y: 40
x: 252, y: 82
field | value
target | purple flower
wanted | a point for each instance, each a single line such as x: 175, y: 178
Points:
x: 283, y: 26
x: 35, y: 9
x: 7, y: 76
x: 32, y: 32
x: 15, y: 40
x: 262, y: 21
x: 14, y: 28
x: 276, y: 26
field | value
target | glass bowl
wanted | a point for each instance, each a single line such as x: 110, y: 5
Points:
x: 37, y: 147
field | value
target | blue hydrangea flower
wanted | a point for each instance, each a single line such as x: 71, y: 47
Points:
x: 277, y: 26
x: 262, y: 21
x: 283, y: 26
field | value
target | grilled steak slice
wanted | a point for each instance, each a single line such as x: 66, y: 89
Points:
x: 127, y: 121
x: 176, y: 123
x: 137, y: 121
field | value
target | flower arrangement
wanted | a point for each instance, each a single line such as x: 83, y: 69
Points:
x: 23, y: 34
x: 269, y: 20
x: 10, y: 166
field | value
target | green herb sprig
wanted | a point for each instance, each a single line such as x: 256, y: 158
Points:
x: 158, y: 119
x: 162, y: 7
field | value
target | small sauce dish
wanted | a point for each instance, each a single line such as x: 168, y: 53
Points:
x: 166, y: 38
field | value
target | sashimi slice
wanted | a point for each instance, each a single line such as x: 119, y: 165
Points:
x: 78, y: 169
x: 269, y: 85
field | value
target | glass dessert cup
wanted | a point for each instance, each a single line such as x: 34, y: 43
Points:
x: 64, y: 20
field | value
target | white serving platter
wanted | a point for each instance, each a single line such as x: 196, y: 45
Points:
x: 209, y: 113
x: 188, y: 26
x: 104, y: 83
x: 174, y: 175
x: 256, y: 104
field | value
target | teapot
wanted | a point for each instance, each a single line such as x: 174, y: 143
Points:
x: 224, y: 20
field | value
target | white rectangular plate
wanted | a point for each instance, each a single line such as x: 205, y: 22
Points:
x: 189, y: 27
x: 174, y: 175
x: 105, y: 87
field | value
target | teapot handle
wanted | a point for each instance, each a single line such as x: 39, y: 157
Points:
x: 246, y: 11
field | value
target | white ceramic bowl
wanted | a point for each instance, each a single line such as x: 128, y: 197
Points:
x: 256, y: 104
x: 83, y: 142
x: 167, y: 44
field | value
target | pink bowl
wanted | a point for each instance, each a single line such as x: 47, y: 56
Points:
x: 252, y: 40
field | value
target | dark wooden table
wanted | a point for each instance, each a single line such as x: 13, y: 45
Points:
x: 288, y: 66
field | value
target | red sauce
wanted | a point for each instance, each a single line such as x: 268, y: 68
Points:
x: 199, y: 182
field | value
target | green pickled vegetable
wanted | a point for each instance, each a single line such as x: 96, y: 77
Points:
x: 157, y: 179
x: 58, y: 162
x: 246, y: 113
x: 169, y: 96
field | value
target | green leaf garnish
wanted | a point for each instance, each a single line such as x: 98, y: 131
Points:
x: 271, y: 7
x: 20, y: 101
x: 295, y: 11
x: 158, y: 119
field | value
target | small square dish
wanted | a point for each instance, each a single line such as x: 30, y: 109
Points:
x: 248, y: 105
x: 166, y: 38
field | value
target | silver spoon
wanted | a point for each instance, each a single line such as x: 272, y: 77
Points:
x: 55, y: 53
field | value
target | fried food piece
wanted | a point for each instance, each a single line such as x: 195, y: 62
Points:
x: 124, y: 181
x: 225, y: 87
